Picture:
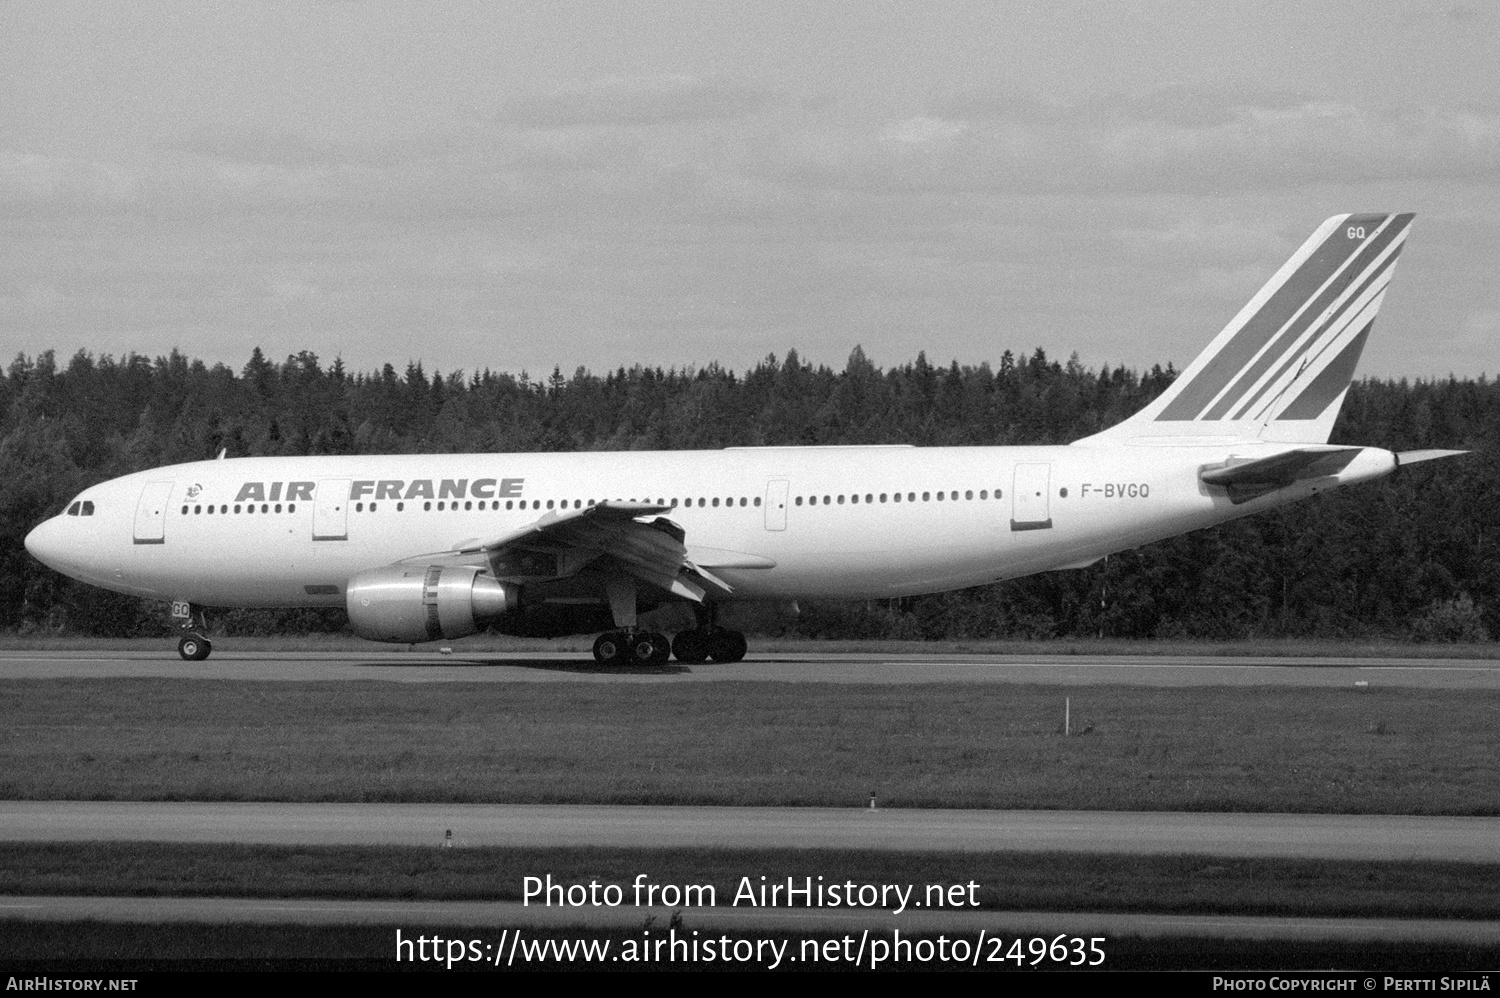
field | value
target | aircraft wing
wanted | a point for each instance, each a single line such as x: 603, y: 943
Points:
x: 560, y: 543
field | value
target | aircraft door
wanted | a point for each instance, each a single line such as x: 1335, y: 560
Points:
x: 151, y: 513
x: 331, y: 510
x: 1030, y: 509
x: 776, y: 490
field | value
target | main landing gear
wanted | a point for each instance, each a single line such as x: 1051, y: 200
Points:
x: 627, y: 645
x: 632, y: 648
x: 704, y: 643
x: 648, y: 648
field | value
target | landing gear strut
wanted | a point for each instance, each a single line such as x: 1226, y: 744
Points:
x: 193, y: 647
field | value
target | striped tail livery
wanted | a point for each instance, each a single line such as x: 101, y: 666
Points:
x: 1278, y: 372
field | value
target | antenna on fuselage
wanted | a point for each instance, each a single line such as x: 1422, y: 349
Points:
x: 222, y: 452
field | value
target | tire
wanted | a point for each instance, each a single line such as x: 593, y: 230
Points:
x: 643, y: 648
x: 661, y: 650
x: 690, y: 648
x: 609, y: 648
x: 193, y: 648
x: 727, y: 646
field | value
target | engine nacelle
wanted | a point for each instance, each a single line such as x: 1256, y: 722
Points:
x: 426, y: 602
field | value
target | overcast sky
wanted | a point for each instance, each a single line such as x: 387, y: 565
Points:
x: 530, y: 185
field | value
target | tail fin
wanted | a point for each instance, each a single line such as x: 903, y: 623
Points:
x: 1278, y: 372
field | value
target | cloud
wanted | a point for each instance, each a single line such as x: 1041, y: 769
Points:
x: 635, y: 101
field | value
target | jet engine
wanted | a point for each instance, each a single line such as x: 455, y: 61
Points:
x: 426, y: 602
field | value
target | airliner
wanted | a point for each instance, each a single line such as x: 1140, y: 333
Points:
x: 426, y: 548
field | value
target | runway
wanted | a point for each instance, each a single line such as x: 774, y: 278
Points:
x: 430, y: 666
x: 1305, y: 836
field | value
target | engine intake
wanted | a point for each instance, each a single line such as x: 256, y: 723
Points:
x: 425, y: 603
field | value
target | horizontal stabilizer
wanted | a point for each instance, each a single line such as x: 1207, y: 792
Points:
x: 1283, y: 469
x: 1418, y: 456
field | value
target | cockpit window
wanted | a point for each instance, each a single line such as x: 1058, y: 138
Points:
x: 88, y: 507
x: 73, y: 509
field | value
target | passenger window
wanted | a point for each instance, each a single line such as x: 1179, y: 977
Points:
x: 926, y: 496
x: 882, y: 497
x: 716, y: 502
x: 278, y: 507
x: 427, y: 507
x: 757, y: 500
x: 293, y: 509
x: 841, y: 500
x: 467, y: 505
x: 799, y: 500
x: 400, y: 506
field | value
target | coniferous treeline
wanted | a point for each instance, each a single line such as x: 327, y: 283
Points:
x: 1413, y: 556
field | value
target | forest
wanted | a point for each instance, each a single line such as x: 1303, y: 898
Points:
x: 1409, y: 557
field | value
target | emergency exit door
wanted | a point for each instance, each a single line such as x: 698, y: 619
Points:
x: 331, y: 510
x: 776, y: 490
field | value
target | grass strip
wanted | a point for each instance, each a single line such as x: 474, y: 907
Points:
x: 1007, y: 881
x: 1364, y: 750
x: 118, y: 949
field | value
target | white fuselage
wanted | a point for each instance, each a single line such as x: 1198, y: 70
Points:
x: 771, y: 522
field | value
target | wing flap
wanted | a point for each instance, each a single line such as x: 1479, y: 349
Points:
x: 650, y: 550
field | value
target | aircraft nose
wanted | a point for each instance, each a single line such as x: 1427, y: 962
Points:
x: 46, y: 542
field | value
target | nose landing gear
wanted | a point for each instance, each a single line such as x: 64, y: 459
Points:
x: 193, y: 647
